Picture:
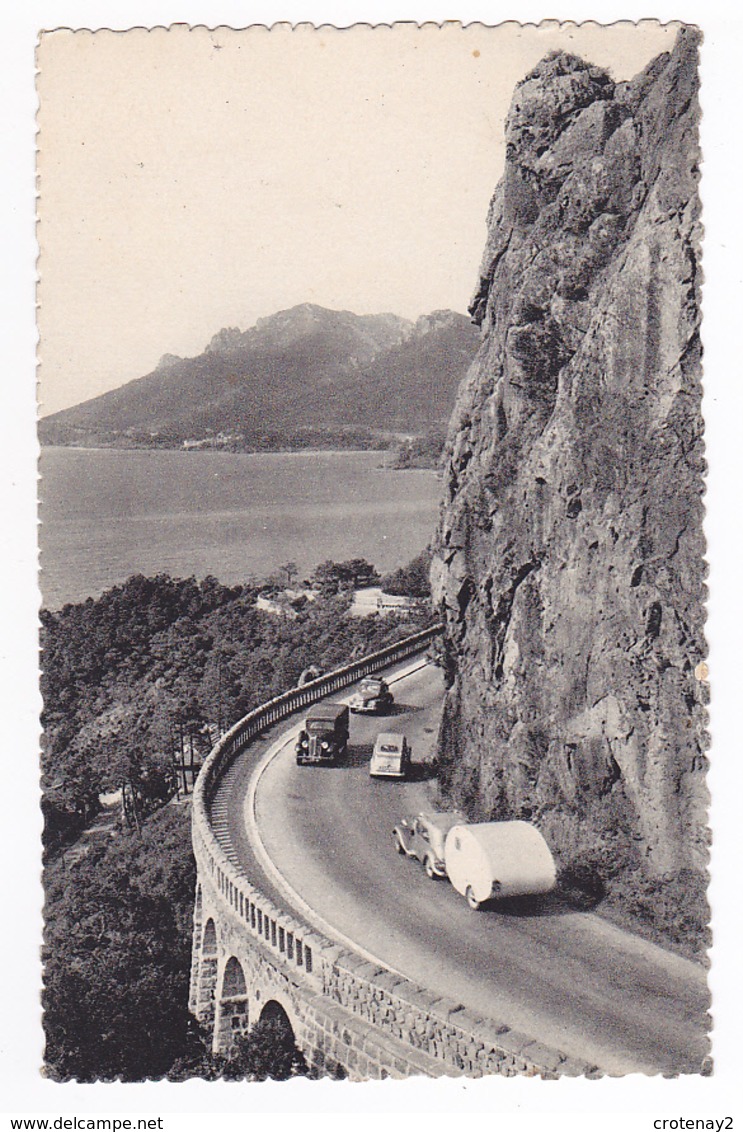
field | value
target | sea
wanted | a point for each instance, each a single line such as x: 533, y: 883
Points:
x: 107, y: 513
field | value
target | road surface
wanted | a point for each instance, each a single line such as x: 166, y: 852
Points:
x: 568, y: 978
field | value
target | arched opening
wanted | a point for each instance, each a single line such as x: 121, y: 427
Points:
x: 207, y: 980
x: 209, y: 945
x: 196, y: 941
x: 271, y: 1049
x: 274, y: 1013
x: 232, y: 1020
x: 233, y: 983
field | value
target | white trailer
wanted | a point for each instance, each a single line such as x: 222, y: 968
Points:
x: 504, y: 858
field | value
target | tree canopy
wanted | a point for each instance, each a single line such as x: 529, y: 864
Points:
x: 139, y: 683
x: 137, y: 686
x: 336, y: 577
x: 117, y: 955
x: 412, y: 580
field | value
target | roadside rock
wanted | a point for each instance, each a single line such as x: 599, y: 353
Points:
x: 568, y: 563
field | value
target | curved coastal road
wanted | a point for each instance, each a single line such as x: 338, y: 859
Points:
x: 569, y: 979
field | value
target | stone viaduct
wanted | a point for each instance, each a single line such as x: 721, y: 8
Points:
x: 252, y: 959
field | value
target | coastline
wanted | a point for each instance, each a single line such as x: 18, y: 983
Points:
x: 391, y: 467
x: 110, y: 513
x: 206, y: 450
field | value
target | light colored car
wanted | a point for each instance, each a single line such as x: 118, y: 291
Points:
x: 391, y: 756
x: 423, y: 837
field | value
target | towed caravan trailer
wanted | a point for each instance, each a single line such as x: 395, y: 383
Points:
x: 495, y: 859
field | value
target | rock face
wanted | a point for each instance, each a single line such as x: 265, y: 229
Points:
x: 569, y: 559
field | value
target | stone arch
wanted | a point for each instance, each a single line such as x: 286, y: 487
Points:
x: 311, y: 1052
x: 277, y: 1017
x: 233, y: 979
x: 207, y: 977
x: 196, y: 941
x: 232, y: 1015
x: 273, y: 1011
x: 272, y: 1000
x: 209, y: 940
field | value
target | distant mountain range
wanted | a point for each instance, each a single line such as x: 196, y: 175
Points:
x: 300, y: 377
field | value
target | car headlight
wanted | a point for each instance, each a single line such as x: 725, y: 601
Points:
x: 304, y: 743
x: 323, y: 746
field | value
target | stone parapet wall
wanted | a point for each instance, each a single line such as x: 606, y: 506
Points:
x: 436, y: 1025
x: 362, y: 1050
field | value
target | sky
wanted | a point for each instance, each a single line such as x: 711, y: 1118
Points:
x: 196, y: 179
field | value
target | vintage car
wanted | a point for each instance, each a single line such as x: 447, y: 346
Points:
x: 373, y: 695
x: 323, y: 737
x: 423, y: 837
x: 390, y: 757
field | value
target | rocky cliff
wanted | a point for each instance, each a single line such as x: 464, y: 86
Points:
x: 569, y: 558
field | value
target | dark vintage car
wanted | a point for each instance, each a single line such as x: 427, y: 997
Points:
x: 373, y: 695
x: 323, y: 739
x: 423, y: 837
